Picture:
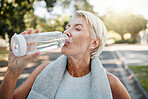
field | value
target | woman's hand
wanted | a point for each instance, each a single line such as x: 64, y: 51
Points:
x: 15, y: 67
x: 16, y: 63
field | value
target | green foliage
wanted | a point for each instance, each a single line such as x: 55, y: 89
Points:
x: 83, y: 5
x: 57, y: 24
x: 12, y: 16
x: 17, y: 16
x: 114, y: 35
x: 141, y: 73
x: 129, y: 41
x: 50, y: 3
x: 136, y: 23
x: 3, y: 54
x: 30, y: 21
x: 124, y: 22
x: 3, y: 50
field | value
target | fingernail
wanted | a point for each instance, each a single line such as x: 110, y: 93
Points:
x: 31, y: 28
x: 38, y: 53
x: 37, y: 31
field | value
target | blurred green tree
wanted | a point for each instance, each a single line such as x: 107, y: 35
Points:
x: 13, y: 14
x: 136, y: 24
x: 84, y: 5
x: 57, y: 24
x: 59, y: 21
x: 124, y: 22
x: 17, y: 15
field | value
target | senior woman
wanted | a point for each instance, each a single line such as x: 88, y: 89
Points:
x: 78, y: 74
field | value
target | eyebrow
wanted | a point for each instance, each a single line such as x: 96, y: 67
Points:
x: 76, y: 25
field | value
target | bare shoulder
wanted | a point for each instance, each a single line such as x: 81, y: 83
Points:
x: 118, y: 89
x: 113, y: 80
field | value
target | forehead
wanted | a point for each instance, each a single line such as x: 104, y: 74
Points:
x: 79, y: 20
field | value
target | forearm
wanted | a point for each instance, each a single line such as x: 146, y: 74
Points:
x: 15, y: 67
x: 22, y: 91
x: 8, y: 84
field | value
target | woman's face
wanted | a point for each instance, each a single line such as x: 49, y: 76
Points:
x: 79, y: 39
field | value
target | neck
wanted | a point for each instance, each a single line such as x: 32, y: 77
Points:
x: 78, y: 67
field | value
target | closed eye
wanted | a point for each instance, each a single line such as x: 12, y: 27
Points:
x: 77, y: 29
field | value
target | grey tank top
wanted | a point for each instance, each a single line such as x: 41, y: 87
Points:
x: 74, y: 87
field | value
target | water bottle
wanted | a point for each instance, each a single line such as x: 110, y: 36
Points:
x: 31, y: 43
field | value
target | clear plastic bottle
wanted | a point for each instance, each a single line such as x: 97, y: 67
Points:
x: 31, y: 43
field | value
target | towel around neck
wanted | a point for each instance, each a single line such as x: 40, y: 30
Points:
x: 48, y: 81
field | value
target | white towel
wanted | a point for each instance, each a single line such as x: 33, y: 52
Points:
x: 48, y: 81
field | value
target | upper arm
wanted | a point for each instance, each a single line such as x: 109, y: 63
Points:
x: 117, y: 88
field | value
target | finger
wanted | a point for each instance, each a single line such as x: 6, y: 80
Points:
x: 10, y: 54
x: 30, y: 31
x: 10, y: 48
x: 10, y: 43
x: 25, y: 32
x: 37, y: 30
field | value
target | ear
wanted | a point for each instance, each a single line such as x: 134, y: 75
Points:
x: 95, y: 43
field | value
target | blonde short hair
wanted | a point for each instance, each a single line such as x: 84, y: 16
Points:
x: 97, y: 29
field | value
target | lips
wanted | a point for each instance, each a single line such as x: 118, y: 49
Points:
x: 66, y: 42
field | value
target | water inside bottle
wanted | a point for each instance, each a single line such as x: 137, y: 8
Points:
x: 44, y: 45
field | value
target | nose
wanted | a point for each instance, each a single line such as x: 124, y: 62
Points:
x: 67, y: 32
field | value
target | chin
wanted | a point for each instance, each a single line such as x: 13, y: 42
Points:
x: 63, y: 50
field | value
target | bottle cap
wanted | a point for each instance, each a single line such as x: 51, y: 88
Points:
x: 18, y: 45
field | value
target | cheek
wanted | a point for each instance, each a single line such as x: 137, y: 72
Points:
x: 81, y: 39
x: 78, y: 37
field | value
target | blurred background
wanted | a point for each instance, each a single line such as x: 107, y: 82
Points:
x: 125, y: 20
